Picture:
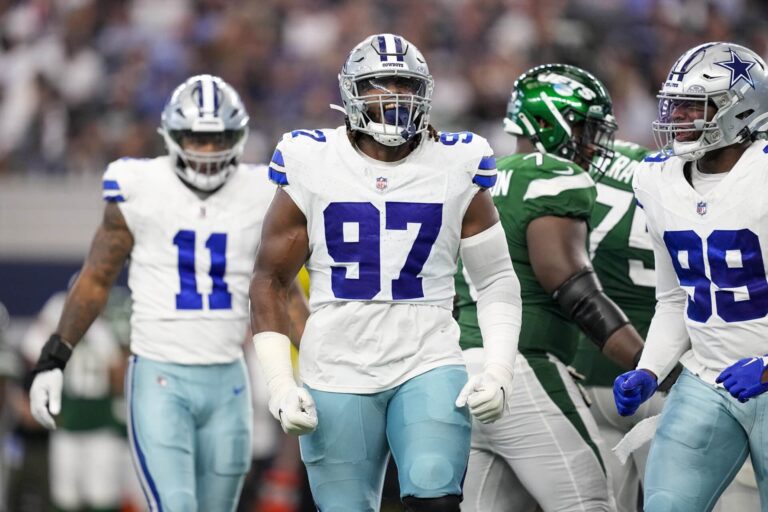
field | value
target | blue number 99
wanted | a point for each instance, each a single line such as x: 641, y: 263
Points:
x: 735, y: 265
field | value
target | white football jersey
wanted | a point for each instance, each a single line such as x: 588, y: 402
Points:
x: 192, y: 258
x: 384, y: 242
x: 712, y: 248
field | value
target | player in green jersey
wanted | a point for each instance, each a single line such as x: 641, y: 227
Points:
x: 545, y: 199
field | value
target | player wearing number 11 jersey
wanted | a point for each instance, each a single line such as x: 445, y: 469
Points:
x: 708, y: 221
x: 190, y: 223
x: 380, y: 209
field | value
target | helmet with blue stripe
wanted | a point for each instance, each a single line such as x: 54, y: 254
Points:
x: 386, y: 89
x: 715, y: 95
x: 205, y: 126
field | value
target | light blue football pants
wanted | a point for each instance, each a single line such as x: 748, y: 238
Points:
x: 703, y: 439
x: 346, y: 457
x: 189, y: 428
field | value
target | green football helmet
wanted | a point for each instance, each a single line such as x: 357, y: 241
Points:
x: 565, y: 111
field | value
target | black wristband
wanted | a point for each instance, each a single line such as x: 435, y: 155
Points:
x: 636, y: 359
x: 55, y: 354
x: 667, y: 383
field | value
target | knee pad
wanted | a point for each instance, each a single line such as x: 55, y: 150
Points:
x: 179, y: 501
x: 449, y: 503
x: 662, y: 501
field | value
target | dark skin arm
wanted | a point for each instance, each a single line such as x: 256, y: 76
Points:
x: 110, y: 248
x: 298, y: 312
x: 557, y: 250
x: 480, y: 215
x: 283, y: 250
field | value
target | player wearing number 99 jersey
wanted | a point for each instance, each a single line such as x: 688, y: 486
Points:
x: 380, y: 209
x: 190, y: 223
x: 708, y: 221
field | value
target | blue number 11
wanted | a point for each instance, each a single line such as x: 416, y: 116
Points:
x: 188, y: 296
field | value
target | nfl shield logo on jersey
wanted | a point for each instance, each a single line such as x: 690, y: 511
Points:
x: 701, y: 208
x: 381, y: 183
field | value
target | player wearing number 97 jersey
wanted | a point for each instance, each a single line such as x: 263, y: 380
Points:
x: 380, y: 209
x: 708, y: 221
x: 190, y: 223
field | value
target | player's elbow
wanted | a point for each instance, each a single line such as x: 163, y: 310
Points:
x: 503, y: 286
x: 265, y: 283
x: 582, y: 299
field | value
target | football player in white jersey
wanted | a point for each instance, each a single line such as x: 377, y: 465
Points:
x: 190, y: 223
x: 707, y: 217
x: 380, y: 209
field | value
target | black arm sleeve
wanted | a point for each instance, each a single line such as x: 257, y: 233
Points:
x: 582, y: 298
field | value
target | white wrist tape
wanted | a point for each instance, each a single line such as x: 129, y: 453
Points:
x: 499, y: 307
x: 273, y: 351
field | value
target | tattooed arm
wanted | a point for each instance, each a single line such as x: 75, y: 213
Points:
x: 110, y: 249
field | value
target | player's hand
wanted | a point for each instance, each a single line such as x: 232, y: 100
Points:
x: 743, y: 379
x: 631, y: 389
x: 45, y: 397
x: 296, y: 412
x: 486, y: 394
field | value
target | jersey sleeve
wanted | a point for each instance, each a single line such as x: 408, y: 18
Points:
x: 286, y: 167
x: 643, y: 182
x: 485, y: 174
x: 277, y: 171
x: 559, y: 189
x: 117, y: 184
x: 667, y: 337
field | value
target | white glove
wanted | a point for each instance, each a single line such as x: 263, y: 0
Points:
x: 45, y: 397
x: 296, y: 412
x: 290, y: 404
x: 486, y: 393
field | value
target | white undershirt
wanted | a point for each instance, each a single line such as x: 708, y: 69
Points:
x: 704, y: 182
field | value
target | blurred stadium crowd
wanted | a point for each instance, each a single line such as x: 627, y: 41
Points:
x: 82, y: 82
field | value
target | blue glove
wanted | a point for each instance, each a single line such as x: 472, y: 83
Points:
x: 743, y: 378
x: 632, y: 389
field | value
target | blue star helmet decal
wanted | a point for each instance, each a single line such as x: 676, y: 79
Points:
x: 739, y: 69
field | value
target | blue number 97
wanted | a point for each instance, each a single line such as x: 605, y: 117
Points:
x: 364, y: 249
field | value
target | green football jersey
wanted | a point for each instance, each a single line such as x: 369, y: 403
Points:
x: 530, y: 186
x: 622, y: 257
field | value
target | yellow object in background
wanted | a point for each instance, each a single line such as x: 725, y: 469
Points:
x: 303, y: 278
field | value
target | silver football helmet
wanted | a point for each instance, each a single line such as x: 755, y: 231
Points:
x: 205, y: 127
x: 727, y: 85
x: 386, y: 89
